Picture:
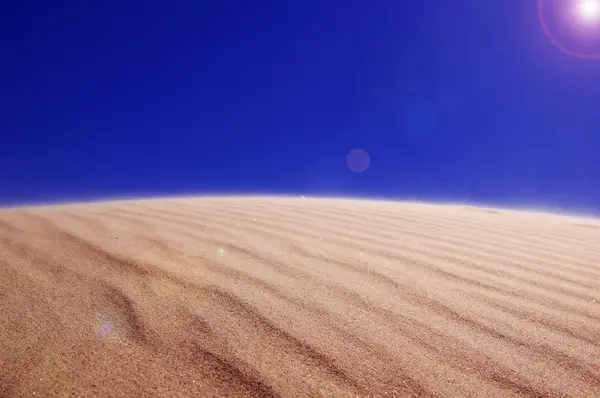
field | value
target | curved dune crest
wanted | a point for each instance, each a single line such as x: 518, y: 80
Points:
x: 262, y: 296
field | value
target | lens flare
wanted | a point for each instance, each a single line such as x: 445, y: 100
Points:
x: 572, y: 26
x: 358, y: 160
x: 588, y: 11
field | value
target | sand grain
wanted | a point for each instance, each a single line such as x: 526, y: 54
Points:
x: 263, y: 296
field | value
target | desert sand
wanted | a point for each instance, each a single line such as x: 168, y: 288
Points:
x: 291, y: 297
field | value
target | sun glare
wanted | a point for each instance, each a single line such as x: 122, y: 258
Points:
x: 589, y: 10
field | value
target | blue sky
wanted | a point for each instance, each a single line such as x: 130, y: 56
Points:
x: 462, y: 100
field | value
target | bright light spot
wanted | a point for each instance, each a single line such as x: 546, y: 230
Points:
x: 589, y: 10
x: 222, y: 252
x: 105, y: 328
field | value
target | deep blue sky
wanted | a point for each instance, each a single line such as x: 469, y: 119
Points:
x: 461, y: 100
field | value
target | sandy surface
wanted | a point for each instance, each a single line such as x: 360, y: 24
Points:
x: 297, y: 297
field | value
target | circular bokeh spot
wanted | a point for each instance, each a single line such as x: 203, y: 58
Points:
x: 105, y: 328
x: 358, y: 160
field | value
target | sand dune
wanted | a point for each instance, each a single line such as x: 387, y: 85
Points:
x: 298, y: 297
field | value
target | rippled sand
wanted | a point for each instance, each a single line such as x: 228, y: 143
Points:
x: 264, y: 296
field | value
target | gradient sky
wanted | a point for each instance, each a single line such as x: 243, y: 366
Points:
x: 461, y: 100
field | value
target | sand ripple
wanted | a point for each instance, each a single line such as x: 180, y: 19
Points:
x: 264, y: 296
